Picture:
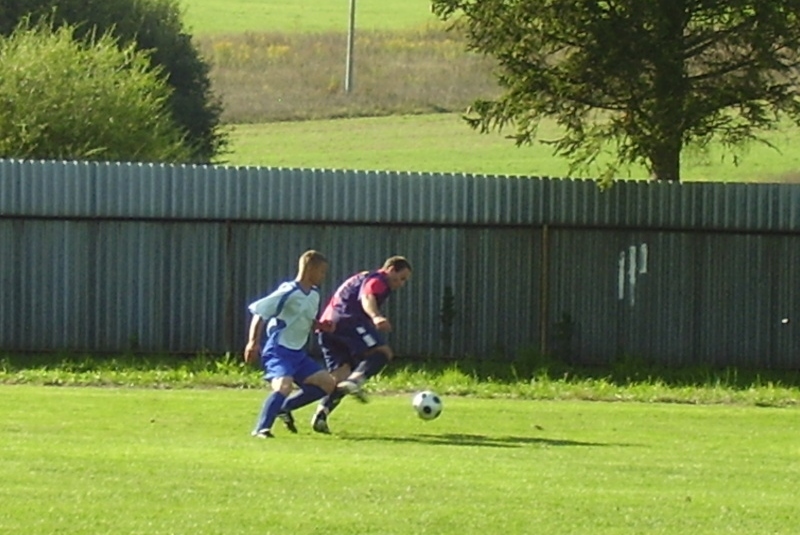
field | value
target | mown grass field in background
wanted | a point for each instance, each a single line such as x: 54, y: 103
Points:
x: 149, y: 461
x: 274, y: 63
x: 238, y: 16
x: 444, y: 143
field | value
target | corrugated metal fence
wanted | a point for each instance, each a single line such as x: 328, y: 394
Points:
x: 113, y: 257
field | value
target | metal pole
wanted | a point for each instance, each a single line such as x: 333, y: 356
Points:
x: 351, y: 30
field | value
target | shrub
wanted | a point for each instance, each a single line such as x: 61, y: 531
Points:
x: 154, y: 26
x: 65, y: 99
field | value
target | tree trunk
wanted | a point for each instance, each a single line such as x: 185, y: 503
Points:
x: 666, y: 162
x: 669, y: 86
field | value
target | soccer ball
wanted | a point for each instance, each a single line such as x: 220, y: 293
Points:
x: 427, y: 404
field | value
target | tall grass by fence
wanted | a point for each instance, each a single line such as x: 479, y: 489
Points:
x: 275, y: 76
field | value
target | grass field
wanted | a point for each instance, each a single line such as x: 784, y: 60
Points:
x: 279, y: 67
x: 88, y: 461
x: 525, y: 378
x: 208, y: 17
x: 444, y: 143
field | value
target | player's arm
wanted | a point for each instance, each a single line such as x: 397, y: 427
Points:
x: 323, y: 322
x: 265, y: 307
x: 253, y: 347
x: 370, y: 305
x: 324, y: 326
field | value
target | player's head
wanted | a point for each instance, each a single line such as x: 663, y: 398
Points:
x: 398, y: 271
x: 312, y: 267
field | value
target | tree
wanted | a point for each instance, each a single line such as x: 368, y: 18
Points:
x: 65, y: 99
x: 641, y: 79
x: 151, y: 25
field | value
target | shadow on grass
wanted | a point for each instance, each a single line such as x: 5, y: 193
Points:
x: 459, y: 439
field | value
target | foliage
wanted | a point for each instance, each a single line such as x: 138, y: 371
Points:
x: 642, y: 80
x: 154, y: 26
x: 529, y: 376
x: 64, y: 99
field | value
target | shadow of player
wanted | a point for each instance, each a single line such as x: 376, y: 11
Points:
x: 458, y: 439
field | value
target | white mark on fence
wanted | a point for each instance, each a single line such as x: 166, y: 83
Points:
x: 643, y: 258
x: 630, y: 265
x: 632, y: 275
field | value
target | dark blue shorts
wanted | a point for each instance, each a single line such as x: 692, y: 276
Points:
x: 347, y: 345
x: 279, y: 361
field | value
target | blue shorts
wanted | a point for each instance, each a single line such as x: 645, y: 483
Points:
x: 347, y: 345
x: 279, y: 361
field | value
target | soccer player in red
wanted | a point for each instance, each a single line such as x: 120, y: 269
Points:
x: 356, y: 349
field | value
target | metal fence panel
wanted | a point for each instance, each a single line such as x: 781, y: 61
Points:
x: 117, y: 190
x: 489, y: 287
x: 738, y: 308
x: 113, y: 257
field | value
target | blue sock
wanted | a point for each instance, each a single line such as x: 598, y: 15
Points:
x: 300, y: 398
x: 269, y: 411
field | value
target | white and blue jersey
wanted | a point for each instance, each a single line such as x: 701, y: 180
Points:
x: 289, y: 313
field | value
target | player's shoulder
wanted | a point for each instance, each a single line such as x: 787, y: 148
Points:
x: 358, y: 276
x: 299, y: 292
x: 286, y: 287
x: 376, y: 279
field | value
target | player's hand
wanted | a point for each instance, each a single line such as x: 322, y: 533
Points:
x: 251, y: 352
x: 324, y: 326
x: 382, y: 323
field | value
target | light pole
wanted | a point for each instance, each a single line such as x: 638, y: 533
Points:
x: 351, y: 31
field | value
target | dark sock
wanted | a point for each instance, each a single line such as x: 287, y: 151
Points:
x: 330, y: 402
x: 269, y: 411
x: 300, y: 398
x: 373, y: 364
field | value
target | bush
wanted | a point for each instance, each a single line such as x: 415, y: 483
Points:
x: 154, y: 26
x: 65, y: 99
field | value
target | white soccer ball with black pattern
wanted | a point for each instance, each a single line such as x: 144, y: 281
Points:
x: 427, y: 404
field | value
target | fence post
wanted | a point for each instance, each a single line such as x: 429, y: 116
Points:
x: 543, y: 291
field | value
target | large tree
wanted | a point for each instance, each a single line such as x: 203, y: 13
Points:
x: 63, y: 98
x: 154, y: 26
x: 640, y: 79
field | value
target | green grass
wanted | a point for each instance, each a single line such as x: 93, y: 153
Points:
x: 284, y: 61
x: 207, y: 17
x: 93, y: 460
x: 444, y: 143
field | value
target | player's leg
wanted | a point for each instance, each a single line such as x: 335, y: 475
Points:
x: 281, y: 388
x: 314, y: 383
x: 336, y: 355
x: 371, y: 365
x: 319, y: 422
x: 373, y: 354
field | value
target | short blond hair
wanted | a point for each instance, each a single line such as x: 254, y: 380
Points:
x: 311, y: 258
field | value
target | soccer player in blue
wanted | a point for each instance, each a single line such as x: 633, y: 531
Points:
x: 356, y: 348
x: 289, y: 314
